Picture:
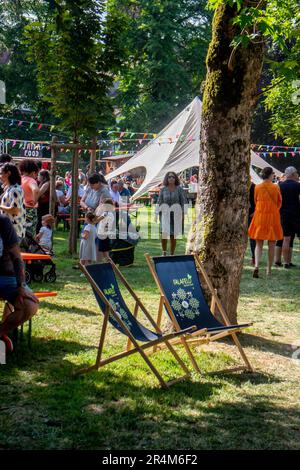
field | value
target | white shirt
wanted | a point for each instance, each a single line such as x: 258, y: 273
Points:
x: 115, y: 196
x: 46, y: 238
x: 106, y: 227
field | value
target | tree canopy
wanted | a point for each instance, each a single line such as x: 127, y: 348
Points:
x: 165, y: 44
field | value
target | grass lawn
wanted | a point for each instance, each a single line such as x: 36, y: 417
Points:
x: 122, y: 407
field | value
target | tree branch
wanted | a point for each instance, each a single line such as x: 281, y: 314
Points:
x: 269, y: 88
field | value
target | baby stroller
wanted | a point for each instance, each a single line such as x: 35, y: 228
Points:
x: 122, y: 249
x: 34, y: 271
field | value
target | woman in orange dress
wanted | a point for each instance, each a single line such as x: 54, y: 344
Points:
x: 266, y: 223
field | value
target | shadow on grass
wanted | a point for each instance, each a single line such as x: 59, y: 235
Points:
x: 71, y: 309
x: 114, y: 409
x: 265, y: 344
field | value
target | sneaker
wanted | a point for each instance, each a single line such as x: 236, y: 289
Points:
x: 286, y: 266
x: 278, y: 264
x: 291, y: 265
x: 8, y: 343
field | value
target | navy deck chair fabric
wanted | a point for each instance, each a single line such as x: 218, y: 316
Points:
x: 180, y: 281
x: 104, y: 276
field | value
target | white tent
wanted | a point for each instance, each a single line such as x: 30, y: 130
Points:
x: 260, y: 163
x: 175, y: 148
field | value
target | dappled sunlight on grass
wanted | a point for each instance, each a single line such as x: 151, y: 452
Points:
x: 121, y: 406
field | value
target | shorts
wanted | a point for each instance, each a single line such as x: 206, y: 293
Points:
x: 290, y: 226
x: 8, y: 288
x: 103, y: 245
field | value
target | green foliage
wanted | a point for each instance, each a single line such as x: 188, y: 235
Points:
x: 284, y: 100
x: 22, y: 97
x: 277, y: 24
x: 165, y: 43
x: 73, y: 63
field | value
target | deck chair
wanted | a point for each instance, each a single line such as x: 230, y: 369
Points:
x: 178, y: 281
x: 103, y: 280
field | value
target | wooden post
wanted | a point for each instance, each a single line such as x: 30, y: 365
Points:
x: 93, y: 156
x: 74, y: 205
x: 52, y: 178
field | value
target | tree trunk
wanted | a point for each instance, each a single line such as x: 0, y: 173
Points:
x: 220, y: 231
x: 74, y: 205
x: 93, y: 156
x: 52, y: 179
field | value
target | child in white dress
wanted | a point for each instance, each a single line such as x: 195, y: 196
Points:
x: 44, y: 237
x: 87, y: 252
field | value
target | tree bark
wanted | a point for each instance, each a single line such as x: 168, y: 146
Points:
x: 73, y: 237
x: 93, y: 156
x: 220, y: 231
x: 52, y: 178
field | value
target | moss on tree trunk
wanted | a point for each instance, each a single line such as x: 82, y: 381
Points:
x: 220, y: 231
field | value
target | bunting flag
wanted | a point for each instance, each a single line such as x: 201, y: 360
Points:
x: 275, y: 147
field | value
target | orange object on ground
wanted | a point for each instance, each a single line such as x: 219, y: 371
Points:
x: 266, y: 223
x: 41, y: 295
x: 34, y: 256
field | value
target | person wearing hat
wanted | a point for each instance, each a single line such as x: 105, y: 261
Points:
x: 290, y: 211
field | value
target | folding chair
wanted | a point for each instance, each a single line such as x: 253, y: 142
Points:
x: 178, y: 281
x: 102, y: 278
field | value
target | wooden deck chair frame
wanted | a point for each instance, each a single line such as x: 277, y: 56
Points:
x: 132, y: 345
x: 200, y: 336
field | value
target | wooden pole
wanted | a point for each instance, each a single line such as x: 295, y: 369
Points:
x: 93, y: 156
x: 74, y: 205
x: 52, y: 177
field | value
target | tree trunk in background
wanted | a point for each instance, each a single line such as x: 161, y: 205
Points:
x: 220, y: 231
x: 93, y: 156
x: 73, y: 237
x: 52, y: 178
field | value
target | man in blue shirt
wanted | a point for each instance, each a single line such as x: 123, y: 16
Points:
x: 290, y: 210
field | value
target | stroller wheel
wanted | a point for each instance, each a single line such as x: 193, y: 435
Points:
x: 50, y: 276
x: 27, y: 277
x: 38, y: 277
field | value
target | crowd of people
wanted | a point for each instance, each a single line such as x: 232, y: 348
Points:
x: 274, y: 216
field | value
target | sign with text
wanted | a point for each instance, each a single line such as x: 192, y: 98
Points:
x: 31, y: 150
